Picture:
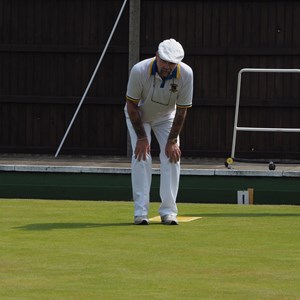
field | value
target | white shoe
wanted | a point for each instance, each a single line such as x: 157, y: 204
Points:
x: 169, y: 220
x: 141, y: 220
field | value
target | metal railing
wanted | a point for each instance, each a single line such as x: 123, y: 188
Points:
x: 261, y: 129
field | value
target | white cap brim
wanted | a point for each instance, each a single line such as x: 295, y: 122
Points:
x: 171, y: 51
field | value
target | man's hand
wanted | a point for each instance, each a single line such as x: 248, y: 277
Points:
x: 142, y: 148
x: 173, y: 152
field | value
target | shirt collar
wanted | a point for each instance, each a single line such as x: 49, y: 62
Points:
x: 153, y: 70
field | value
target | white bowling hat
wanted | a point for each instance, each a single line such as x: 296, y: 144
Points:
x: 171, y: 51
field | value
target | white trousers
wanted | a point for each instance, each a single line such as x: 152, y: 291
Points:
x: 141, y: 174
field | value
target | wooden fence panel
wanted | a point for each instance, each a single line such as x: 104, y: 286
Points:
x: 49, y: 49
x: 48, y: 52
x: 220, y: 38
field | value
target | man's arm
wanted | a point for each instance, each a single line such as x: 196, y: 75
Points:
x: 177, y: 123
x: 135, y: 118
x: 142, y: 147
x: 173, y: 151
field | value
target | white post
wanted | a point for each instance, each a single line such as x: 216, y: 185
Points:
x: 237, y: 105
x: 134, y: 45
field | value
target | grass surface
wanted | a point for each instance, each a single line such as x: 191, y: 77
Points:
x: 91, y: 250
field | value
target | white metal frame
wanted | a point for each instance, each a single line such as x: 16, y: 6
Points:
x: 262, y: 129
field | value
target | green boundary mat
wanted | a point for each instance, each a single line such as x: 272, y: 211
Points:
x: 196, y: 186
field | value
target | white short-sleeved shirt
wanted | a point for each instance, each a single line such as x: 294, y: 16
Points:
x: 159, y: 98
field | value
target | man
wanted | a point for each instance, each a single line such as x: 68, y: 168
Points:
x: 159, y: 91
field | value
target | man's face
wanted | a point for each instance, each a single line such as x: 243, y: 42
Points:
x: 164, y: 68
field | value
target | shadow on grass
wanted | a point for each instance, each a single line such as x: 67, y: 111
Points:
x: 242, y: 215
x: 53, y: 226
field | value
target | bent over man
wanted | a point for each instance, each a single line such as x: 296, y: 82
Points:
x: 159, y: 91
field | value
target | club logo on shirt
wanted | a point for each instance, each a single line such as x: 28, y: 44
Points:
x: 173, y: 88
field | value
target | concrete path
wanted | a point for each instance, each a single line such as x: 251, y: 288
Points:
x: 118, y: 164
